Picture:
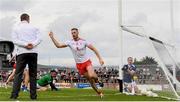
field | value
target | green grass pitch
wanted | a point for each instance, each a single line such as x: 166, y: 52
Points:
x: 77, y: 95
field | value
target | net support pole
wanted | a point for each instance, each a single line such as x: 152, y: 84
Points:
x: 174, y: 38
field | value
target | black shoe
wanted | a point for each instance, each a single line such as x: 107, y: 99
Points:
x: 101, y: 84
x: 13, y: 97
x: 33, y: 97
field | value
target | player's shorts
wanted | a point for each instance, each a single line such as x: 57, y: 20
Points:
x: 38, y: 86
x: 41, y: 87
x: 14, y: 66
x: 82, y: 67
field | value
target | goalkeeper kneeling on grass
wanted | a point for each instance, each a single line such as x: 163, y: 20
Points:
x: 129, y: 71
x: 44, y: 81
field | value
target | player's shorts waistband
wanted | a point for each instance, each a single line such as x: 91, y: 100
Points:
x: 88, y: 60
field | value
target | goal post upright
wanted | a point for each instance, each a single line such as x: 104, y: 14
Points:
x: 173, y: 38
x: 120, y: 41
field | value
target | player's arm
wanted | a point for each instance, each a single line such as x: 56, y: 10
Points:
x: 53, y: 87
x: 56, y: 43
x: 97, y: 53
x: 131, y: 72
x: 38, y: 38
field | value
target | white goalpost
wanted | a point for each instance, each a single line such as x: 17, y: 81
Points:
x: 121, y: 45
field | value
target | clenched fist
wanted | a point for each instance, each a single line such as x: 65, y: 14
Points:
x: 51, y: 34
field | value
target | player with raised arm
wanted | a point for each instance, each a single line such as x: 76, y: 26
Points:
x: 83, y: 62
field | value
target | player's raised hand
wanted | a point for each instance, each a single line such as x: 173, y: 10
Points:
x: 101, y: 61
x: 51, y: 34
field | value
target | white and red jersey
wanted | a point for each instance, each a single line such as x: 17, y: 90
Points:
x: 78, y: 49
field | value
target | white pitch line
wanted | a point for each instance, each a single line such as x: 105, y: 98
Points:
x: 70, y: 96
x: 83, y: 95
x: 169, y: 98
x: 154, y: 97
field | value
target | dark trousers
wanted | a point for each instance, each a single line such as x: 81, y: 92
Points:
x: 22, y: 60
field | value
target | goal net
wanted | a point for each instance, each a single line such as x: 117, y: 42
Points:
x: 158, y: 78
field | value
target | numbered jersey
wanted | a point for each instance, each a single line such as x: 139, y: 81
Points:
x: 78, y: 49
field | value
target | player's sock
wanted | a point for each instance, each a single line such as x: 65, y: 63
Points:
x: 25, y: 89
x: 6, y: 84
x: 101, y: 94
x: 125, y: 89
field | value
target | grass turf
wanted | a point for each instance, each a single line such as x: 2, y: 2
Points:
x: 77, y: 95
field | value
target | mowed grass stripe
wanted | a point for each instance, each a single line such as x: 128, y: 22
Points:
x: 76, y: 95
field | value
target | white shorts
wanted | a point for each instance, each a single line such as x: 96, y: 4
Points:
x: 129, y: 84
x: 38, y: 86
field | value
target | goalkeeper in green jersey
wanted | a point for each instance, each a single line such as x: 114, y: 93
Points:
x: 44, y: 81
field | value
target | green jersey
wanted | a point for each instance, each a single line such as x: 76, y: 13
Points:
x: 45, y: 80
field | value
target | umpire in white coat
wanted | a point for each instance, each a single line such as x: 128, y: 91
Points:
x: 27, y: 38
